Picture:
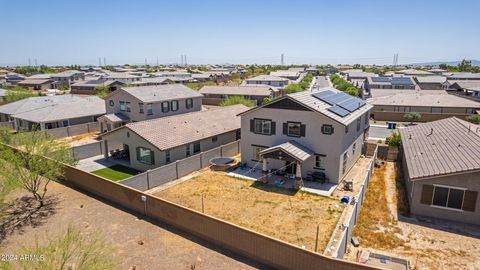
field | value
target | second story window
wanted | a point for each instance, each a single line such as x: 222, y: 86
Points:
x: 294, y: 129
x: 165, y: 107
x: 140, y: 107
x: 123, y: 107
x: 327, y: 129
x: 129, y: 108
x: 149, y: 109
x: 262, y: 126
x: 174, y: 105
x: 189, y: 103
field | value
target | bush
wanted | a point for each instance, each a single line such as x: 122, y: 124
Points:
x: 352, y: 91
x: 412, y: 116
x: 474, y: 119
x: 293, y: 88
x: 394, y: 139
x: 237, y: 100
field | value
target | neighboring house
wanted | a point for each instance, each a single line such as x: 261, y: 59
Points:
x: 3, y: 95
x: 37, y: 84
x: 287, y: 74
x: 460, y: 86
x: 203, y: 77
x: 152, y: 81
x: 175, y: 74
x: 441, y: 163
x: 430, y: 106
x: 359, y: 75
x: 430, y: 82
x: 68, y: 77
x: 303, y: 133
x: 148, y: 102
x: 389, y: 83
x: 154, y: 143
x: 90, y: 87
x: 473, y: 92
x: 50, y: 112
x: 296, y: 69
x: 214, y: 95
x: 437, y: 71
x: 121, y: 77
x: 414, y: 72
x: 462, y: 76
x: 312, y: 70
x: 268, y: 80
x: 13, y: 78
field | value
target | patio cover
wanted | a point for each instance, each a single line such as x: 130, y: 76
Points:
x: 291, y: 148
x: 116, y: 117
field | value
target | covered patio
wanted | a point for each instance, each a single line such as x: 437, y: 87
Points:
x: 112, y: 121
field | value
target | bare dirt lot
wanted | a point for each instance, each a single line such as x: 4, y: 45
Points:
x: 277, y: 212
x: 162, y: 247
x: 81, y: 139
x: 426, y: 245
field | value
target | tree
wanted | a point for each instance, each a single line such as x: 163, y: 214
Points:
x: 293, y: 88
x: 474, y: 119
x: 64, y: 87
x: 28, y: 167
x: 71, y: 250
x: 412, y: 117
x: 237, y: 100
x: 352, y: 91
x: 394, y: 139
x: 266, y: 100
x: 102, y: 91
x: 465, y: 66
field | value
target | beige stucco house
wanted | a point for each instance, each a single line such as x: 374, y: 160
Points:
x: 441, y: 163
x: 154, y: 143
x: 303, y: 133
x: 133, y: 104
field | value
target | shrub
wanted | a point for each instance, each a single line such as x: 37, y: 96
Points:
x: 474, y: 119
x: 394, y: 139
x: 293, y: 88
x: 237, y: 100
x: 412, y: 116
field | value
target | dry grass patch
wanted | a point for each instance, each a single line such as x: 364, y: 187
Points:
x: 278, y: 212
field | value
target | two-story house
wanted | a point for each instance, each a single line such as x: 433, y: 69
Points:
x: 133, y: 104
x: 68, y: 77
x: 303, y: 132
x: 268, y: 80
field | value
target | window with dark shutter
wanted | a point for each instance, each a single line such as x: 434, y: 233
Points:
x: 302, y: 130
x: 470, y: 200
x: 252, y: 125
x: 327, y: 129
x: 427, y: 193
x: 273, y: 128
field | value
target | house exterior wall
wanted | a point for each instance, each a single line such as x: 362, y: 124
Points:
x: 135, y: 114
x: 332, y: 146
x: 133, y: 141
x: 430, y: 86
x: 388, y: 113
x: 468, y: 181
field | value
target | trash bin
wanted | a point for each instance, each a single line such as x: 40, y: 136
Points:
x: 345, y: 199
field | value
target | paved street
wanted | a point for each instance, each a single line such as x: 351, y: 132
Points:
x: 378, y: 132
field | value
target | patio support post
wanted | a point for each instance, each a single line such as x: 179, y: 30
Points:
x: 105, y: 150
x: 298, y: 176
x: 264, y: 171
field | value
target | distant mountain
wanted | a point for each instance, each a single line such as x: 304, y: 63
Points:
x: 450, y: 63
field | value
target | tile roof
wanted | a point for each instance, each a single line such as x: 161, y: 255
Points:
x: 116, y: 117
x: 463, y: 75
x: 267, y: 78
x: 158, y: 93
x: 431, y: 79
x: 94, y: 82
x: 465, y: 83
x: 441, y: 147
x: 292, y: 148
x: 238, y: 90
x: 54, y: 108
x: 417, y: 98
x: 35, y: 81
x: 172, y: 131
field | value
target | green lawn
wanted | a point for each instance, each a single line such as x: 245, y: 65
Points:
x: 116, y: 172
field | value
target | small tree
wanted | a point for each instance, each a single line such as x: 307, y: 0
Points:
x: 64, y: 87
x: 394, y: 139
x: 102, y: 91
x: 293, y: 88
x: 473, y: 119
x: 28, y: 166
x: 352, y: 91
x: 266, y: 100
x: 237, y: 100
x: 412, y: 117
x: 72, y: 250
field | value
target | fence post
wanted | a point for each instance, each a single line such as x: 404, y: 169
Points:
x: 148, y: 179
x: 221, y: 150
x: 176, y: 168
x: 201, y: 160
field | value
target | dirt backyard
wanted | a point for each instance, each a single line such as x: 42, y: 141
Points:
x: 134, y: 243
x: 384, y: 226
x: 277, y: 212
x: 81, y: 139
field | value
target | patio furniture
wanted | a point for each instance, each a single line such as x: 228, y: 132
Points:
x: 280, y: 182
x: 348, y: 185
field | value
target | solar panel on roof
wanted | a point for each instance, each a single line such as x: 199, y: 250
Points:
x: 339, y: 111
x: 325, y: 96
x: 380, y: 79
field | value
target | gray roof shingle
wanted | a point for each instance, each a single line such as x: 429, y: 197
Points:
x: 441, y: 147
x: 292, y: 148
x: 158, y: 93
x: 169, y: 132
x: 238, y: 90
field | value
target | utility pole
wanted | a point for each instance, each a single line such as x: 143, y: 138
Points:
x: 36, y: 62
x: 99, y: 61
x: 186, y: 60
x: 282, y: 59
x: 29, y: 62
x: 157, y: 61
x: 146, y: 62
x: 104, y: 61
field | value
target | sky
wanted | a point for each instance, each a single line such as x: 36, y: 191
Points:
x: 238, y: 32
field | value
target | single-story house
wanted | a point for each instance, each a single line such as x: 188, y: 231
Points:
x: 214, y: 95
x: 68, y: 77
x: 287, y: 74
x: 430, y: 106
x: 460, y: 76
x: 441, y: 164
x: 152, y: 81
x: 430, y: 82
x: 389, y: 83
x: 37, y: 84
x: 414, y: 72
x: 268, y: 80
x: 90, y: 87
x: 157, y: 142
x: 48, y: 112
x: 121, y: 77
